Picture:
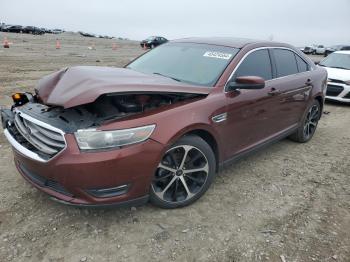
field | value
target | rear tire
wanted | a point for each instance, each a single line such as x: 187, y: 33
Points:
x: 184, y: 174
x: 308, y: 124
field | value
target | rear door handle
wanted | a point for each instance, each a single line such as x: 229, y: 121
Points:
x: 308, y: 82
x: 274, y: 92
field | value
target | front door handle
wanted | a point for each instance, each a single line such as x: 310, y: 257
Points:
x: 274, y: 92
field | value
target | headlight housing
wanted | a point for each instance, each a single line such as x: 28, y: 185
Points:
x: 92, y: 139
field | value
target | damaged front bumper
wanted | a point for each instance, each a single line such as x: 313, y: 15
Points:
x: 74, y: 177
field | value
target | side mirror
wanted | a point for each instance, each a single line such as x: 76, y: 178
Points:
x: 246, y: 82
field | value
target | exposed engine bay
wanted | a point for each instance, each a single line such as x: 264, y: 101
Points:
x: 118, y: 106
x: 110, y: 107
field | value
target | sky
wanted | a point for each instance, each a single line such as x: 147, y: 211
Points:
x: 298, y: 22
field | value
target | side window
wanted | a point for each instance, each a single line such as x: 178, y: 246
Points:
x: 257, y: 63
x: 285, y: 62
x: 302, y: 65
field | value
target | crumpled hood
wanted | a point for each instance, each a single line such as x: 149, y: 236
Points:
x: 84, y: 84
x: 338, y: 74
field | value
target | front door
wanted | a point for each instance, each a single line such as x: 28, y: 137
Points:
x: 250, y: 113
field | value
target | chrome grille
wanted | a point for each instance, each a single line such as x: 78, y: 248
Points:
x: 48, y: 140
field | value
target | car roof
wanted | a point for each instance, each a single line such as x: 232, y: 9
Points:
x: 347, y: 52
x: 225, y: 41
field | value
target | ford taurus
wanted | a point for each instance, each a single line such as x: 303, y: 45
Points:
x: 160, y: 128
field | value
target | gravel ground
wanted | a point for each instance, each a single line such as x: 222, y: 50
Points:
x: 288, y: 202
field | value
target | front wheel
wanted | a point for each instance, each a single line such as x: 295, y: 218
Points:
x: 184, y: 174
x: 309, y: 123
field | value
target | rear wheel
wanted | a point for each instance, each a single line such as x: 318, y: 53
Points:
x: 309, y: 123
x: 184, y: 173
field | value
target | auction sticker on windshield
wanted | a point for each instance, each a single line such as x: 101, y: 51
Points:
x: 219, y: 55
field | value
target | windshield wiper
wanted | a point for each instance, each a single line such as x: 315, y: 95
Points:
x: 173, y: 78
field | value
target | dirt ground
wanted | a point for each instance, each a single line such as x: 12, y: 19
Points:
x: 289, y: 202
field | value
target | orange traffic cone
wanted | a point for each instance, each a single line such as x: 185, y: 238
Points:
x: 58, y: 44
x: 6, y: 43
x: 144, y: 46
x: 114, y: 46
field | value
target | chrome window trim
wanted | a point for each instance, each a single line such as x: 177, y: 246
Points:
x: 26, y: 152
x: 262, y: 48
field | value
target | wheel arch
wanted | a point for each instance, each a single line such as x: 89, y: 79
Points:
x: 321, y: 101
x: 208, y: 135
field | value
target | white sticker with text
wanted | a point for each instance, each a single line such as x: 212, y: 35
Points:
x: 219, y: 55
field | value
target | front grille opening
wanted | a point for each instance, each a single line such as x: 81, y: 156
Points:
x: 37, y: 138
x: 44, y: 182
x: 334, y: 90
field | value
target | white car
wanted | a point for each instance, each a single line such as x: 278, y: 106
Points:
x: 320, y: 50
x: 337, y: 65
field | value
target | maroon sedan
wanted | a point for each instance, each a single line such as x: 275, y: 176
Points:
x: 161, y: 128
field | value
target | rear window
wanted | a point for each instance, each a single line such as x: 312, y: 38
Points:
x: 302, y: 65
x: 285, y: 62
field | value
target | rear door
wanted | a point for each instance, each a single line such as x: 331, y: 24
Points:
x: 292, y: 85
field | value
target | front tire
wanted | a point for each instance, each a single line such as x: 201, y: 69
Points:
x: 308, y: 124
x: 184, y: 174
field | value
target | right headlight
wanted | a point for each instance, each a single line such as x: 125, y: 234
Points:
x: 92, y: 139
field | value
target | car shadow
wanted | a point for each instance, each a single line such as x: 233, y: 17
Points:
x: 337, y: 103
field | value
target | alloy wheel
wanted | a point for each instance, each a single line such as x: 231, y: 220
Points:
x: 181, y: 174
x: 311, y: 121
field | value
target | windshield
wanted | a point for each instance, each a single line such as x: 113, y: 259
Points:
x: 337, y: 60
x: 199, y: 64
x: 151, y: 38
